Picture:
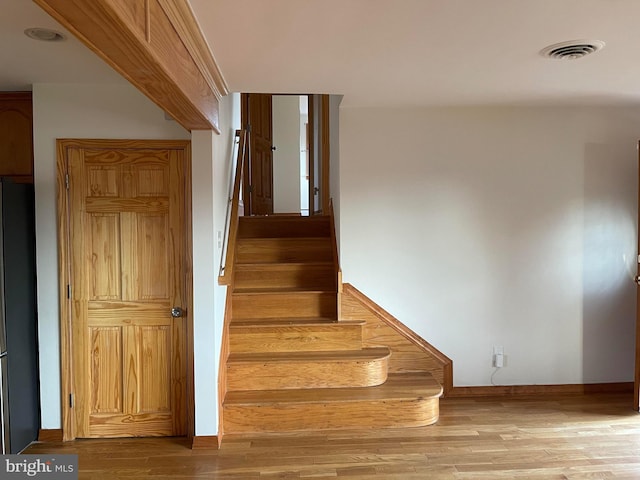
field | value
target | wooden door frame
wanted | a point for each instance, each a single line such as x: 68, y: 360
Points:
x: 325, y: 149
x: 636, y: 381
x: 311, y: 154
x: 67, y: 378
x: 324, y: 142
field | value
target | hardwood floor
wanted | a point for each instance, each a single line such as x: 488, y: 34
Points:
x: 560, y: 437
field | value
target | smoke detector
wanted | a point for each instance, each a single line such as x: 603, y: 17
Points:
x: 572, y: 50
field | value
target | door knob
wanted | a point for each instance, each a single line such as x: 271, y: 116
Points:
x: 177, y: 312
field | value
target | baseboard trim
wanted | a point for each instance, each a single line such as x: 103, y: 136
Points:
x: 50, y: 435
x: 205, y: 442
x: 523, y: 390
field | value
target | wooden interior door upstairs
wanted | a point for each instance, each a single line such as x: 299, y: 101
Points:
x: 126, y: 223
x: 259, y: 115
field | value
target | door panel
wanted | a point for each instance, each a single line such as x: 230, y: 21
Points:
x: 260, y: 143
x: 126, y: 225
x: 106, y: 369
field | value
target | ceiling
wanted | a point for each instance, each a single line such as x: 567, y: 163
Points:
x: 25, y: 61
x: 378, y: 52
x: 426, y: 52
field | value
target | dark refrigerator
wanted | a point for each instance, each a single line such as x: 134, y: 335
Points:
x: 20, y: 407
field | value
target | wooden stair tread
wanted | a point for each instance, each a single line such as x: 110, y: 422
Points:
x: 285, y: 226
x: 286, y: 274
x: 264, y: 243
x: 291, y: 322
x: 398, y: 387
x: 284, y: 265
x: 269, y: 289
x: 276, y: 238
x: 305, y: 335
x: 285, y: 303
x: 277, y: 249
x: 324, y: 356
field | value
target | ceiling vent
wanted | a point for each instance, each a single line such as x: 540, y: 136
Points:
x: 573, y: 49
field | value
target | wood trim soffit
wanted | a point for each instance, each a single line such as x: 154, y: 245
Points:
x: 159, y: 49
x: 184, y: 21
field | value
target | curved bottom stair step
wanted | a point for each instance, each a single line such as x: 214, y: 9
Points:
x: 293, y: 370
x: 404, y: 400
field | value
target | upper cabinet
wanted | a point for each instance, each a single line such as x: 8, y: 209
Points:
x: 16, y: 136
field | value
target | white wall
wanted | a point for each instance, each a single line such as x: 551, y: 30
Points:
x: 222, y: 166
x: 204, y: 277
x: 286, y: 158
x: 75, y: 111
x: 211, y: 160
x: 511, y: 227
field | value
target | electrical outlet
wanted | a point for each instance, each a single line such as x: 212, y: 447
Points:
x: 498, y: 358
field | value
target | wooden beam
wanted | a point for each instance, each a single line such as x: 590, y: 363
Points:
x: 156, y: 45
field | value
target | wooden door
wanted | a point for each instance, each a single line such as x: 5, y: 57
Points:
x: 126, y: 224
x: 259, y: 123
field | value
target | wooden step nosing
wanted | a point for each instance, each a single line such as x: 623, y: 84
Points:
x: 328, y: 400
x: 283, y: 291
x: 370, y: 355
x: 269, y: 265
x: 289, y: 239
x: 398, y: 387
x: 268, y: 323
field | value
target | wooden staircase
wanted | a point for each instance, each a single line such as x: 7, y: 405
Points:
x: 292, y: 365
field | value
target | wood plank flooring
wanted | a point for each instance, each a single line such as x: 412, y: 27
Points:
x: 559, y: 437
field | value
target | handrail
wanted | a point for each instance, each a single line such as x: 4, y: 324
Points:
x: 233, y: 207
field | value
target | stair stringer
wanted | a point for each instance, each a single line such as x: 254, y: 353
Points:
x: 409, y: 351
